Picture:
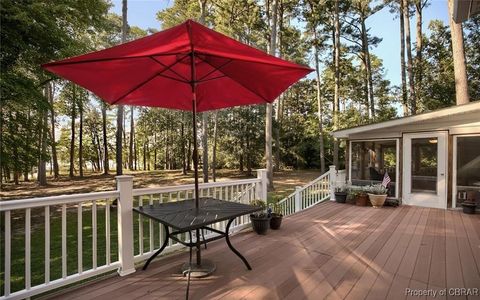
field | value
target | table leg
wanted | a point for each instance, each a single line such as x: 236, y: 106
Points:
x: 231, y: 247
x: 165, y: 243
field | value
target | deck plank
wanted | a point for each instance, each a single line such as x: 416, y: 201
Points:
x: 329, y: 251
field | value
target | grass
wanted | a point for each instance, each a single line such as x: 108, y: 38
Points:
x: 284, y: 183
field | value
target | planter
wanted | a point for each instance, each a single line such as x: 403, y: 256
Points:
x: 341, y: 197
x: 469, y: 207
x: 377, y: 200
x: 276, y: 221
x: 260, y: 224
x: 361, y: 200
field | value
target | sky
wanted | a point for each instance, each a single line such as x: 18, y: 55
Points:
x: 383, y: 24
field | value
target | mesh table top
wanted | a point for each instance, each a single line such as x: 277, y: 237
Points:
x: 183, y: 216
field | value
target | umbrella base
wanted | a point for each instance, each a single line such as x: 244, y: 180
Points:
x: 199, y: 271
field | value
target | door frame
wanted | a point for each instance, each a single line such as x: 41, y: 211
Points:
x: 454, y: 166
x: 442, y: 169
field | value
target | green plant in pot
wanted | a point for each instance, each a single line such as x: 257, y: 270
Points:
x: 260, y: 219
x: 377, y: 194
x: 341, y: 194
x: 277, y: 216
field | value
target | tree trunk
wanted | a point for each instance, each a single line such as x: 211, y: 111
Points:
x: 460, y: 70
x: 419, y: 48
x: 42, y: 168
x: 80, y: 137
x: 269, y: 110
x: 214, y: 151
x: 411, y: 81
x: 368, y: 69
x: 189, y: 155
x: 336, y: 102
x: 402, y: 62
x: 132, y: 133
x: 105, y: 141
x: 320, y: 108
x: 72, y: 139
x: 56, y: 172
x: 203, y: 12
x: 120, y: 110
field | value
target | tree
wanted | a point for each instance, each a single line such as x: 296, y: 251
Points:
x: 461, y: 83
x: 419, y: 6
x: 336, y: 99
x: 203, y: 13
x: 269, y: 109
x: 120, y: 109
x: 411, y: 80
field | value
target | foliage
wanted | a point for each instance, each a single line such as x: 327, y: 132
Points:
x: 376, y: 189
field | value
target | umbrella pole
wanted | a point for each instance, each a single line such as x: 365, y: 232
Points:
x: 195, y: 150
x: 194, y: 120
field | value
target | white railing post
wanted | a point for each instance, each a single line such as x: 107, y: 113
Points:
x: 125, y: 224
x: 298, y: 199
x: 261, y: 189
x: 332, y: 179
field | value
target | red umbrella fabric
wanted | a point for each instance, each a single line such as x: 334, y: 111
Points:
x: 157, y: 71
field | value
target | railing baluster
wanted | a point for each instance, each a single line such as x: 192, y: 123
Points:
x: 160, y: 226
x: 8, y: 248
x: 140, y: 227
x: 80, y: 238
x: 107, y: 232
x: 94, y: 234
x: 28, y: 252
x: 47, y: 244
x: 64, y: 241
x: 150, y: 226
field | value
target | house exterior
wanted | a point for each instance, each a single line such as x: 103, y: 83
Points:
x: 432, y: 159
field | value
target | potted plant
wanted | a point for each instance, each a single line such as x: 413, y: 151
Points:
x: 362, y: 198
x: 377, y: 194
x: 260, y: 219
x: 341, y: 194
x: 469, y: 207
x: 277, y: 216
x: 352, y: 193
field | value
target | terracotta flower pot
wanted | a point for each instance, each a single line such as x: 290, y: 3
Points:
x: 377, y: 200
x: 361, y: 200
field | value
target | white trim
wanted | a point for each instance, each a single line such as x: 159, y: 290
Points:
x: 454, y: 167
x: 442, y: 171
x: 397, y: 170
x: 446, y: 112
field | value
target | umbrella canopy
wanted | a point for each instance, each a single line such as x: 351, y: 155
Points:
x: 159, y: 71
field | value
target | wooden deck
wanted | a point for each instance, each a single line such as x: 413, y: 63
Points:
x: 330, y: 251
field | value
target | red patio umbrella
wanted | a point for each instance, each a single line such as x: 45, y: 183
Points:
x: 188, y: 67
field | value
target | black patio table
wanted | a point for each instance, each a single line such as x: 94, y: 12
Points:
x: 183, y: 217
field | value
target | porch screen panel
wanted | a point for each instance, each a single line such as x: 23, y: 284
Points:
x: 468, y: 169
x: 370, y: 161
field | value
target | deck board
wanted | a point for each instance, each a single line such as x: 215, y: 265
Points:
x: 329, y: 251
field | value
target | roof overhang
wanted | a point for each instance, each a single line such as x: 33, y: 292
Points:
x: 436, y: 120
x: 464, y: 9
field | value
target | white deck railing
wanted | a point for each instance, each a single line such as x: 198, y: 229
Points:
x: 316, y: 191
x: 75, y: 237
x: 85, y: 232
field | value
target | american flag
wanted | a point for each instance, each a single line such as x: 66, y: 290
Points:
x: 386, y: 179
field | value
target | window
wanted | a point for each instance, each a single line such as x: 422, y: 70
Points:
x: 370, y: 160
x: 468, y: 169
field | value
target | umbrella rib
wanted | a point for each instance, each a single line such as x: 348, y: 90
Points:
x: 214, y: 69
x: 60, y: 63
x: 173, y: 71
x: 213, y: 78
x: 173, y: 78
x: 245, y: 87
x: 148, y: 80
